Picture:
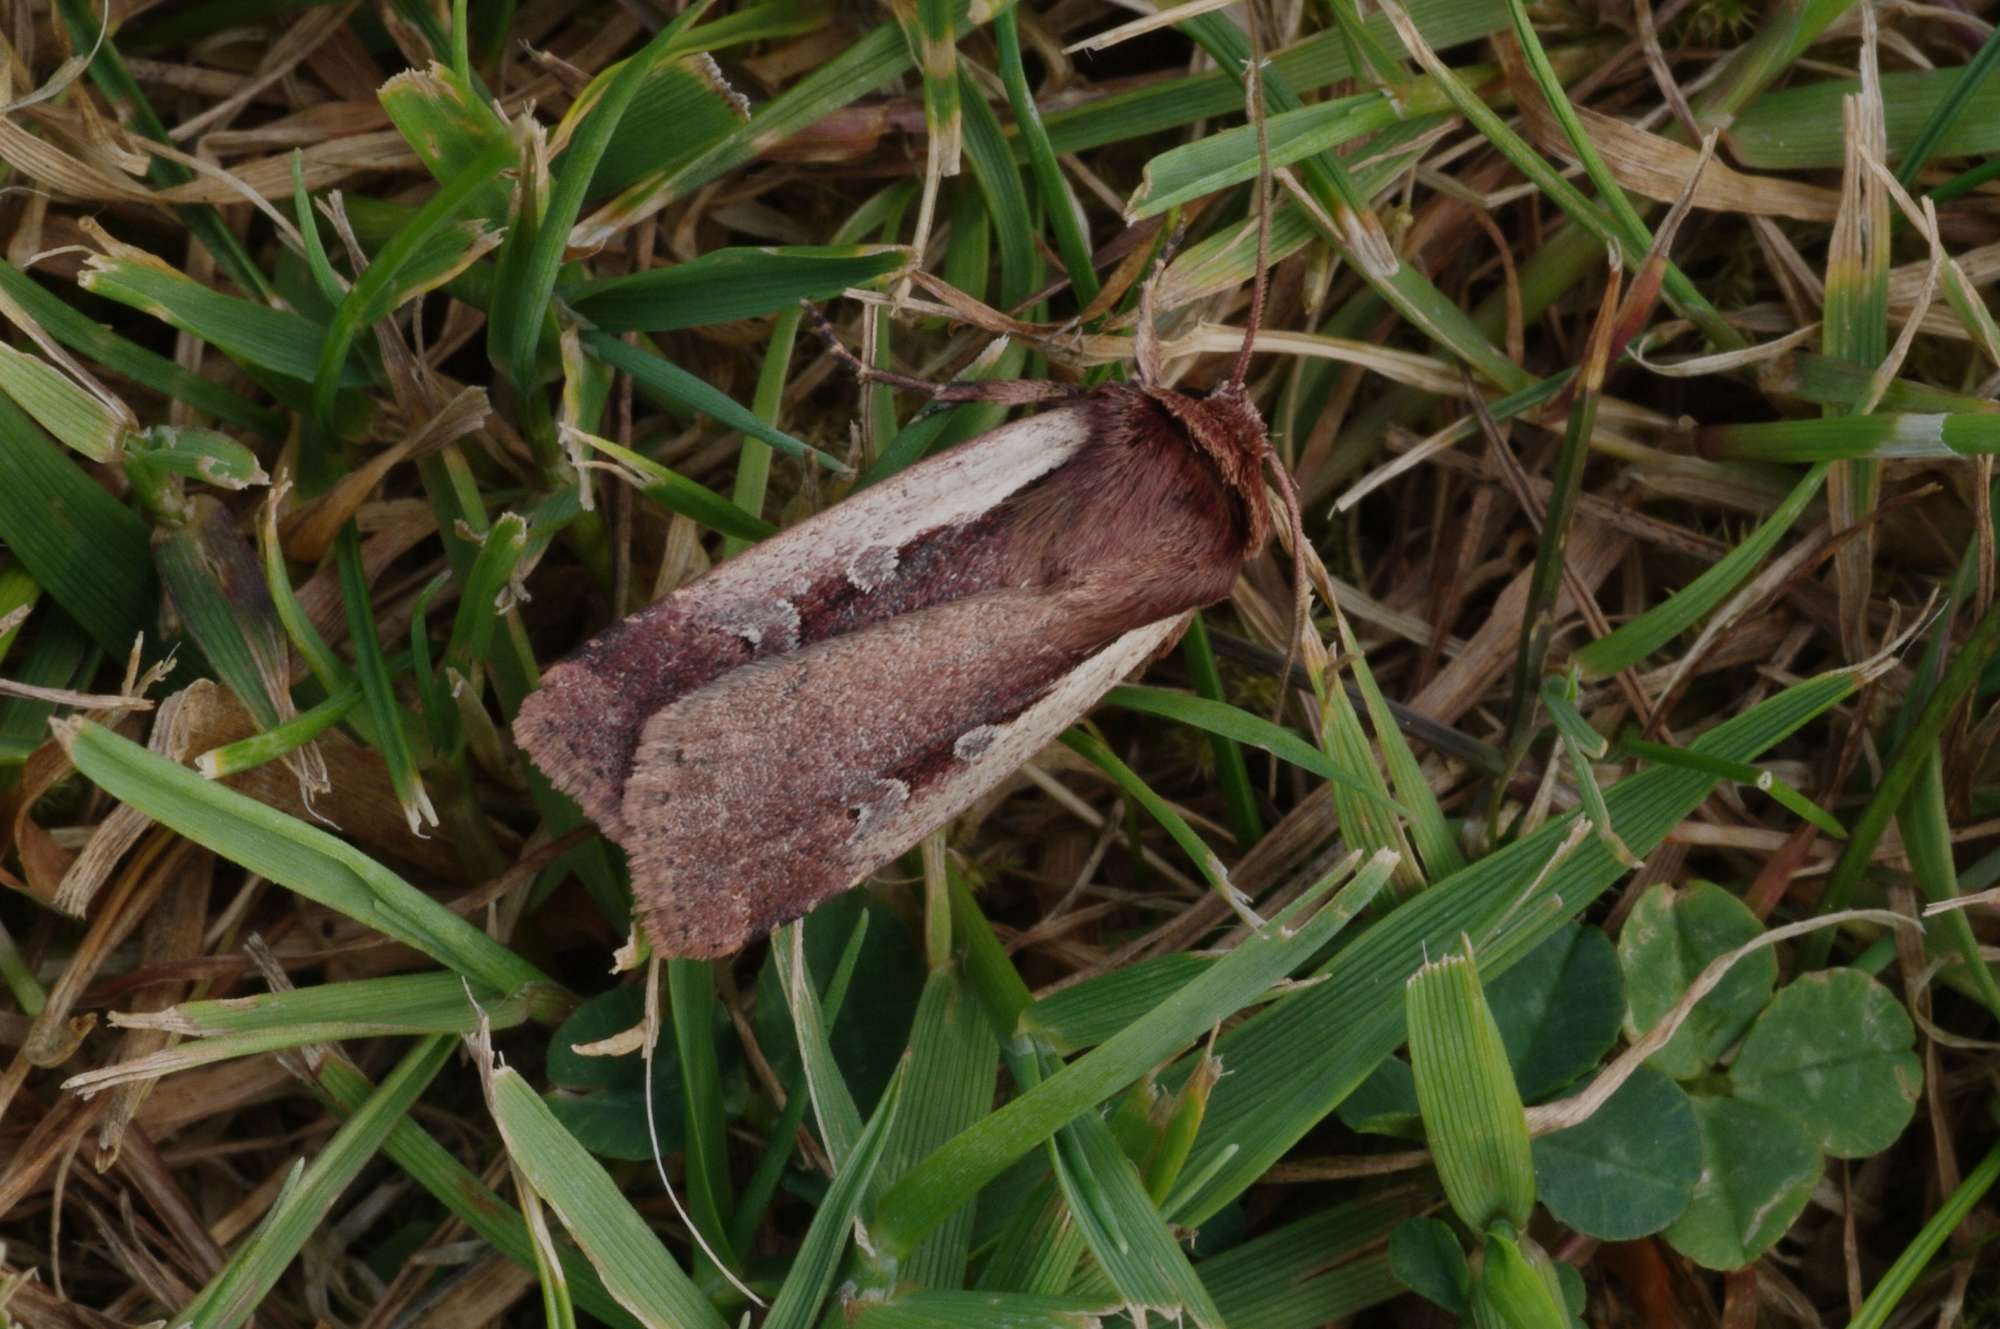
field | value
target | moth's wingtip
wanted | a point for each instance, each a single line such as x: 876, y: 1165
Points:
x: 568, y: 751
x: 677, y: 932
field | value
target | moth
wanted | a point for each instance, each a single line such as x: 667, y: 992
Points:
x: 779, y: 728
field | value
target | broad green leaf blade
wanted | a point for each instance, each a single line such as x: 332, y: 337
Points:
x: 1758, y: 1168
x: 86, y: 549
x: 1309, y: 1272
x: 1630, y: 1169
x: 1472, y: 1111
x: 683, y: 107
x: 61, y: 406
x: 273, y: 339
x: 419, y: 1003
x: 1085, y: 1014
x: 62, y: 320
x: 1131, y: 1242
x: 449, y: 126
x: 1212, y: 164
x: 952, y: 1071
x: 1799, y: 128
x: 532, y: 254
x: 1668, y: 939
x: 216, y: 587
x: 1836, y: 1050
x: 870, y: 62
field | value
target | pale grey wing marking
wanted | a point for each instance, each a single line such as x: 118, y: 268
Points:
x: 780, y: 784
x: 578, y: 726
x: 997, y: 750
x: 952, y: 487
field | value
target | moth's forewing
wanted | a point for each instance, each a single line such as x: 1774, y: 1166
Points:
x: 582, y: 726
x: 785, y: 782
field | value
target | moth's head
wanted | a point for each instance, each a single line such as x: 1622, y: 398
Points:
x: 1224, y: 424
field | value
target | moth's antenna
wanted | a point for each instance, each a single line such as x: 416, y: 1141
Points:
x: 1288, y: 489
x: 1253, y: 94
x: 1005, y: 391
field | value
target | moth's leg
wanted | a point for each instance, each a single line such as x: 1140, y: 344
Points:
x: 1001, y: 391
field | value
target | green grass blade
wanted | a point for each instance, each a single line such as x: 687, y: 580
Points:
x: 813, y: 1267
x: 936, y: 1188
x: 274, y: 339
x: 236, y: 1292
x: 87, y: 550
x: 1211, y: 867
x: 62, y: 320
x: 371, y: 669
x: 379, y: 290
x: 1891, y: 1291
x: 878, y: 56
x: 726, y: 284
x: 1428, y: 829
x: 532, y: 255
x: 676, y: 384
x: 291, y: 853
x: 1899, y: 776
x: 1799, y: 127
x: 1240, y: 726
x: 1287, y: 1071
x: 953, y: 1061
x: 1630, y: 642
x: 676, y: 493
x: 1232, y: 772
x: 691, y: 998
x: 833, y: 1102
x: 637, y: 1270
x: 1058, y: 206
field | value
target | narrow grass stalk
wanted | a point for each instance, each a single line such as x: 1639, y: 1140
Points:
x: 753, y: 463
x: 1057, y: 205
x: 1239, y: 797
x: 1538, y: 615
x: 248, y: 753
x: 372, y: 669
x: 308, y: 1198
x: 1896, y: 1283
